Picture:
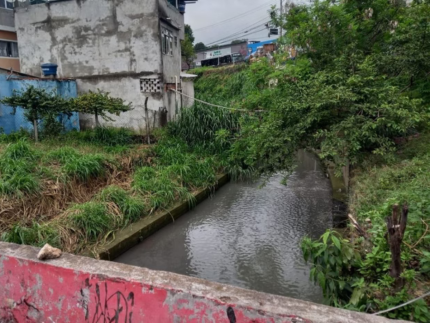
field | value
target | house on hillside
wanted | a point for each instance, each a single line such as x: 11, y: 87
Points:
x: 8, y: 41
x: 130, y: 48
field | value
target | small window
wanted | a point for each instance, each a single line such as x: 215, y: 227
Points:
x: 176, y: 41
x: 8, y: 49
x: 167, y: 42
x: 8, y: 4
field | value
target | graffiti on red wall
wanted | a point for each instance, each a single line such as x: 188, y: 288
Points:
x: 106, y: 306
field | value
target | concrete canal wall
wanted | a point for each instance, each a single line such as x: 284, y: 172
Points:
x: 80, y: 289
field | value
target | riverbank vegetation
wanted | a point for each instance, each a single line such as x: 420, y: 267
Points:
x: 77, y: 190
x: 357, y: 88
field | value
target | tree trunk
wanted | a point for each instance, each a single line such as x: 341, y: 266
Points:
x: 96, y: 114
x: 396, y: 225
x: 36, y: 132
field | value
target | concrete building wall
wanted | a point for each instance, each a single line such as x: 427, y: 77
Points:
x: 79, y: 289
x: 105, y: 44
x: 90, y: 38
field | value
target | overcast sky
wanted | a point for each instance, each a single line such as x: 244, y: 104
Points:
x: 245, y: 14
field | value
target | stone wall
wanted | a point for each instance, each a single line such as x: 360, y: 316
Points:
x: 79, y: 289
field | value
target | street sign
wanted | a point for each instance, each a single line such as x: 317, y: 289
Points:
x: 218, y: 53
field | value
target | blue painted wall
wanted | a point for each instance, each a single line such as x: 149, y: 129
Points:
x: 11, y: 123
x: 254, y: 47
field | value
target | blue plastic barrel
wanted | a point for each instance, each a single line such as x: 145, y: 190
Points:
x: 181, y: 6
x: 49, y: 69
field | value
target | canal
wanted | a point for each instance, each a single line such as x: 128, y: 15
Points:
x: 248, y: 235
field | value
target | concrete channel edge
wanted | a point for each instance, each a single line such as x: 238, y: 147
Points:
x: 135, y: 233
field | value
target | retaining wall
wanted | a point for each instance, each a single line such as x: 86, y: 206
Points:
x: 80, y: 289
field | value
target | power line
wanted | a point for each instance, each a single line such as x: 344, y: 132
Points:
x: 214, y: 105
x: 233, y: 38
x: 247, y: 29
x: 236, y: 17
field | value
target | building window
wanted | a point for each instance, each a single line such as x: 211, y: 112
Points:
x: 8, y: 4
x: 167, y: 42
x: 8, y: 49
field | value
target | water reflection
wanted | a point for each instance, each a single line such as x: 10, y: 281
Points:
x: 248, y: 236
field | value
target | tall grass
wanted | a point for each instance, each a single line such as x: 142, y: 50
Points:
x: 160, y: 186
x: 132, y: 208
x: 92, y: 219
x: 17, y: 163
x: 35, y: 235
x: 105, y: 136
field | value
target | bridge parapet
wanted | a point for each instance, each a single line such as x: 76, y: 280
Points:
x: 80, y: 289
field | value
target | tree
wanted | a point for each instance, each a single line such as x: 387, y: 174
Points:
x: 187, y: 50
x: 238, y: 41
x: 199, y: 46
x: 189, y: 33
x: 100, y: 103
x: 38, y: 105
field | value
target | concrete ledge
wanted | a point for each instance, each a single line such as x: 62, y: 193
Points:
x: 137, y: 232
x: 79, y: 289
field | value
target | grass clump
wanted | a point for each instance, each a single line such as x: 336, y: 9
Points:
x: 92, y: 219
x: 160, y: 186
x: 85, y: 167
x: 132, y: 208
x: 17, y: 164
x: 105, y: 136
x: 35, y: 235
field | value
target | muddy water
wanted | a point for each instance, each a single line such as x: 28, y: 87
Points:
x: 246, y: 235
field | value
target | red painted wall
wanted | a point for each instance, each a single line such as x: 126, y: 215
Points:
x: 33, y: 291
x: 80, y: 289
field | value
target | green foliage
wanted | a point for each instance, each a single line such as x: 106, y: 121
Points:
x: 14, y: 136
x: 35, y: 235
x: 132, y: 207
x: 161, y: 187
x: 38, y: 104
x: 91, y: 218
x: 376, y: 189
x: 187, y: 51
x: 85, y: 167
x: 17, y: 163
x: 199, y: 46
x: 105, y: 136
x: 100, y: 104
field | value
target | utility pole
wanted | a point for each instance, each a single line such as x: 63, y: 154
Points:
x: 281, y: 12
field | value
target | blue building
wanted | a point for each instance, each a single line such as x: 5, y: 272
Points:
x: 252, y: 48
x: 10, y: 81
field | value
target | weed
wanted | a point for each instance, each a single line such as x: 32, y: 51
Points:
x: 92, y: 219
x: 20, y: 150
x: 63, y: 154
x: 105, y: 136
x: 36, y: 235
x: 84, y: 167
x: 132, y: 208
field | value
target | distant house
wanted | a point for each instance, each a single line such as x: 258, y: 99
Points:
x: 220, y: 55
x: 9, y: 57
x: 130, y: 48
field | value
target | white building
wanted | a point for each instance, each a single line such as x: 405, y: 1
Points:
x: 130, y: 48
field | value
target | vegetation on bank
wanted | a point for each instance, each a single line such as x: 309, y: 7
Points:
x: 359, y: 83
x: 76, y: 190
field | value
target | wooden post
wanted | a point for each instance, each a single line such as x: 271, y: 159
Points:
x: 396, y: 225
x: 148, y: 126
